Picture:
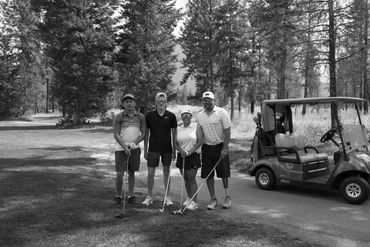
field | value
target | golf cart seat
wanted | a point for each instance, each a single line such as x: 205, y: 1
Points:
x: 292, y: 149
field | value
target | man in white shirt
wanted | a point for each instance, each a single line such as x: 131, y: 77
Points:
x: 214, y: 123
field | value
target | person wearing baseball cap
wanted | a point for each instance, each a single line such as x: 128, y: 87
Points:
x: 159, y: 144
x: 129, y: 130
x: 214, y: 124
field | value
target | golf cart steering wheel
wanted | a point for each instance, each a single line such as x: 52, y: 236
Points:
x: 328, y: 136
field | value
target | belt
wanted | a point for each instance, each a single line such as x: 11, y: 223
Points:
x: 214, y: 146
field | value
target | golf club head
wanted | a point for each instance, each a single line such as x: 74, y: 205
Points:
x: 119, y: 216
x: 177, y: 212
x: 161, y: 210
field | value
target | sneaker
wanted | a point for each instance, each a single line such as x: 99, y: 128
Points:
x: 186, y: 202
x: 212, y: 204
x: 168, y: 201
x: 192, y: 206
x: 148, y: 200
x: 117, y: 200
x: 227, y: 202
x: 131, y: 199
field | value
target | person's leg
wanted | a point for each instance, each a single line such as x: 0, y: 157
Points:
x: 120, y: 160
x: 187, y: 181
x: 119, y: 181
x: 150, y: 180
x: 211, y: 187
x: 134, y: 165
x: 224, y: 172
x: 131, y: 183
x: 166, y: 174
x: 153, y: 160
x: 193, y: 187
x: 166, y: 162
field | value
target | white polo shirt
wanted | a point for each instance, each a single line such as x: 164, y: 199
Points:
x: 213, y: 124
x: 187, y: 136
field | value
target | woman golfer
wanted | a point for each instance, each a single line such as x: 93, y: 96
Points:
x: 188, y: 142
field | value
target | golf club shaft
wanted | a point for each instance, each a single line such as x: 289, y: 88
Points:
x: 200, y: 186
x: 183, y: 180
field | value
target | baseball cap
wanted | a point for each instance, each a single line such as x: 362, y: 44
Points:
x: 186, y: 111
x: 208, y: 94
x: 128, y: 95
x: 161, y: 95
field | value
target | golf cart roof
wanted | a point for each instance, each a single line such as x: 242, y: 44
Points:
x: 312, y: 101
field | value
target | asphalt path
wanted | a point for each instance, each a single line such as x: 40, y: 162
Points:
x: 317, y: 217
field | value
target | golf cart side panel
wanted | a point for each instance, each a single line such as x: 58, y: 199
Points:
x: 301, y: 172
x: 266, y: 162
x: 354, y: 164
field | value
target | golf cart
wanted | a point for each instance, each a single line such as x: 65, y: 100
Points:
x: 284, y: 158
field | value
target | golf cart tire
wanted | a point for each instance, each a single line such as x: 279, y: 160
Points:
x: 265, y: 179
x: 355, y: 189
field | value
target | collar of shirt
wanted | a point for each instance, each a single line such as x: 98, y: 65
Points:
x: 126, y: 114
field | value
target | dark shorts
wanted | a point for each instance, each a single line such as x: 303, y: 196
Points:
x: 133, y: 163
x: 192, y: 161
x: 153, y: 159
x: 210, y: 156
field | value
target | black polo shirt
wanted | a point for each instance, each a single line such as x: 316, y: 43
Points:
x: 160, y: 131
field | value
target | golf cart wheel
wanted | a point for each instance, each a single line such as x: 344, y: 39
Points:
x: 265, y: 179
x: 355, y: 190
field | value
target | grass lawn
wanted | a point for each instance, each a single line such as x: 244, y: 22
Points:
x: 56, y: 189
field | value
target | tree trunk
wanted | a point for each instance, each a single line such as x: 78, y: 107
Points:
x: 366, y: 86
x: 47, y: 97
x: 332, y: 62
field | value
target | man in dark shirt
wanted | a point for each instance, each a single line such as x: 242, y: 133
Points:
x: 160, y: 132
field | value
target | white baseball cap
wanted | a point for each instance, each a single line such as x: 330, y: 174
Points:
x: 161, y: 95
x: 184, y: 111
x: 208, y: 94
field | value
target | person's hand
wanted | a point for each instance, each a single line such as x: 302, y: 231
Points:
x: 127, y: 151
x: 133, y: 145
x: 224, y: 152
x: 146, y: 155
x: 183, y: 153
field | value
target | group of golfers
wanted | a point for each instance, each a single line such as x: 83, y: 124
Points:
x: 203, y: 143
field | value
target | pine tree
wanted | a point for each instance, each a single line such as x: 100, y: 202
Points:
x: 146, y: 59
x: 79, y: 38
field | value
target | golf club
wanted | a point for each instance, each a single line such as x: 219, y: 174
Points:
x: 182, y: 187
x: 165, y: 193
x: 200, y: 186
x: 125, y: 181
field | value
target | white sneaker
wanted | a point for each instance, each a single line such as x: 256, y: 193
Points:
x: 148, y: 200
x: 192, y: 206
x: 186, y: 202
x: 212, y: 204
x: 227, y: 203
x: 168, y: 201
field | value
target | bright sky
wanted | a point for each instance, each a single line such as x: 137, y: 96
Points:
x: 181, y: 3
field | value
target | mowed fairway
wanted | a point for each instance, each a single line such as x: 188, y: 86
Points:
x: 56, y: 189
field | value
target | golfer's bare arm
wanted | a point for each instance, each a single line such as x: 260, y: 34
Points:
x: 117, y: 136
x: 146, y: 141
x: 200, y: 139
x: 227, y: 134
x: 173, y: 135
